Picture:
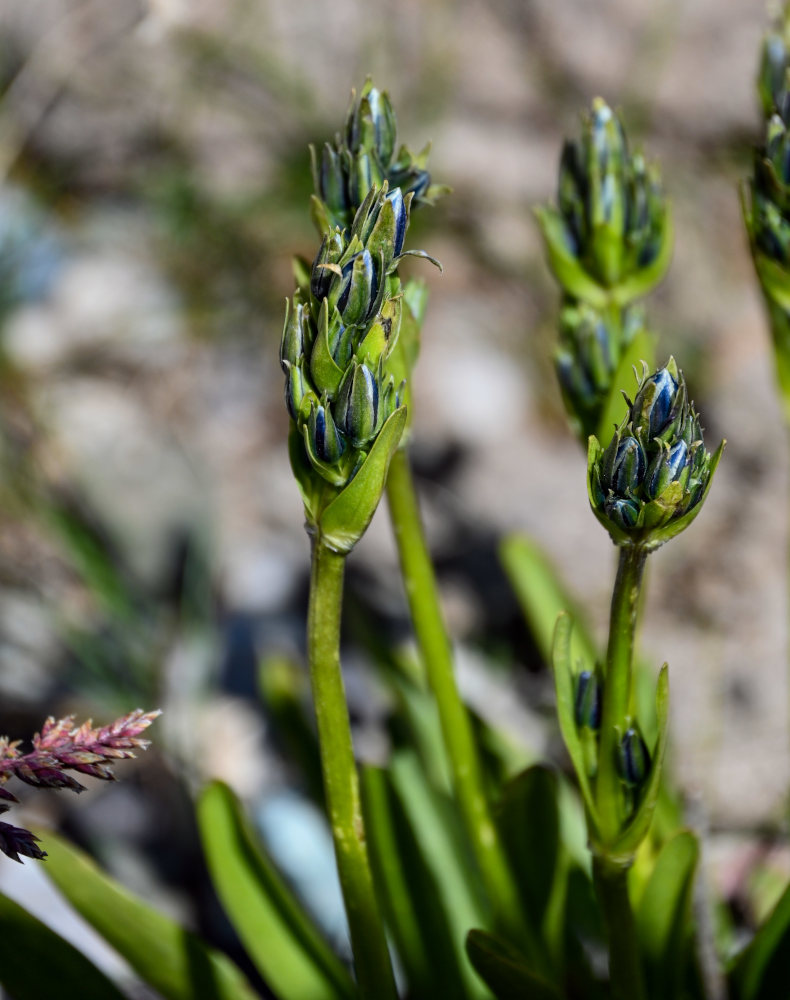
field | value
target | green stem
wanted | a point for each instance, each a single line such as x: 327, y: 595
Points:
x: 625, y: 971
x: 617, y: 687
x: 611, y: 877
x: 436, y: 654
x: 341, y: 782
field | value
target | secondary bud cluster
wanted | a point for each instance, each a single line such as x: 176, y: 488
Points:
x: 591, y: 343
x: 363, y: 157
x: 608, y: 237
x: 766, y: 195
x: 649, y: 482
x: 339, y: 335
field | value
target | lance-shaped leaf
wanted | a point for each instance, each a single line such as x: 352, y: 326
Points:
x: 344, y: 521
x: 504, y: 970
x: 175, y: 962
x: 564, y: 686
x: 663, y: 915
x: 278, y: 935
x: 37, y: 962
x: 409, y: 893
x: 760, y: 971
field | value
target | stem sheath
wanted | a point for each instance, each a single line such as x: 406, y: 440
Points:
x: 341, y: 782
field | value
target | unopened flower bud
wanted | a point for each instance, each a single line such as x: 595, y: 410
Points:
x: 659, y: 405
x: 587, y: 703
x: 667, y: 467
x: 633, y: 758
x: 326, y: 442
x: 297, y: 388
x: 296, y: 334
x: 371, y: 125
x: 325, y: 265
x: 771, y: 78
x: 358, y: 288
x: 357, y: 405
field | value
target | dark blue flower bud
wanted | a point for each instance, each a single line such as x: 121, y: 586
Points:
x: 629, y: 467
x: 666, y: 468
x: 327, y: 443
x: 358, y: 288
x: 624, y: 513
x: 633, y: 758
x: 587, y: 703
x: 371, y: 124
x: 357, y: 405
x: 332, y: 181
x: 656, y: 404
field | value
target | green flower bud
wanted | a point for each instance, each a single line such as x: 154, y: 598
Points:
x: 650, y: 481
x: 772, y: 75
x: 297, y: 334
x: 357, y: 405
x: 297, y: 389
x: 331, y: 182
x: 325, y: 265
x: 371, y: 125
x: 633, y: 758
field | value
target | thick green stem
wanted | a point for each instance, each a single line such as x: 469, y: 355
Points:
x: 625, y: 971
x: 610, y: 876
x: 617, y: 687
x: 341, y: 782
x: 436, y: 654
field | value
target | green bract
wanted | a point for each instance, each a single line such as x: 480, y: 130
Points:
x: 609, y: 238
x: 650, y: 481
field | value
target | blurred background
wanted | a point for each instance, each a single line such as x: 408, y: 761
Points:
x: 154, y: 180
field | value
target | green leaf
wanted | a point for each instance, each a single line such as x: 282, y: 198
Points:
x: 639, y: 349
x: 37, y: 962
x: 504, y: 970
x: 344, y: 521
x: 663, y: 915
x: 438, y: 830
x: 278, y: 935
x: 760, y: 971
x: 165, y: 955
x: 542, y: 597
x: 529, y: 821
x: 566, y: 266
x: 409, y: 894
x: 637, y: 829
x: 563, y: 682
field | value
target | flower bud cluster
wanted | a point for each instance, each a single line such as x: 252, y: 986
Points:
x: 766, y: 196
x: 340, y: 332
x: 363, y: 157
x: 591, y: 343
x: 649, y: 482
x: 609, y: 236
